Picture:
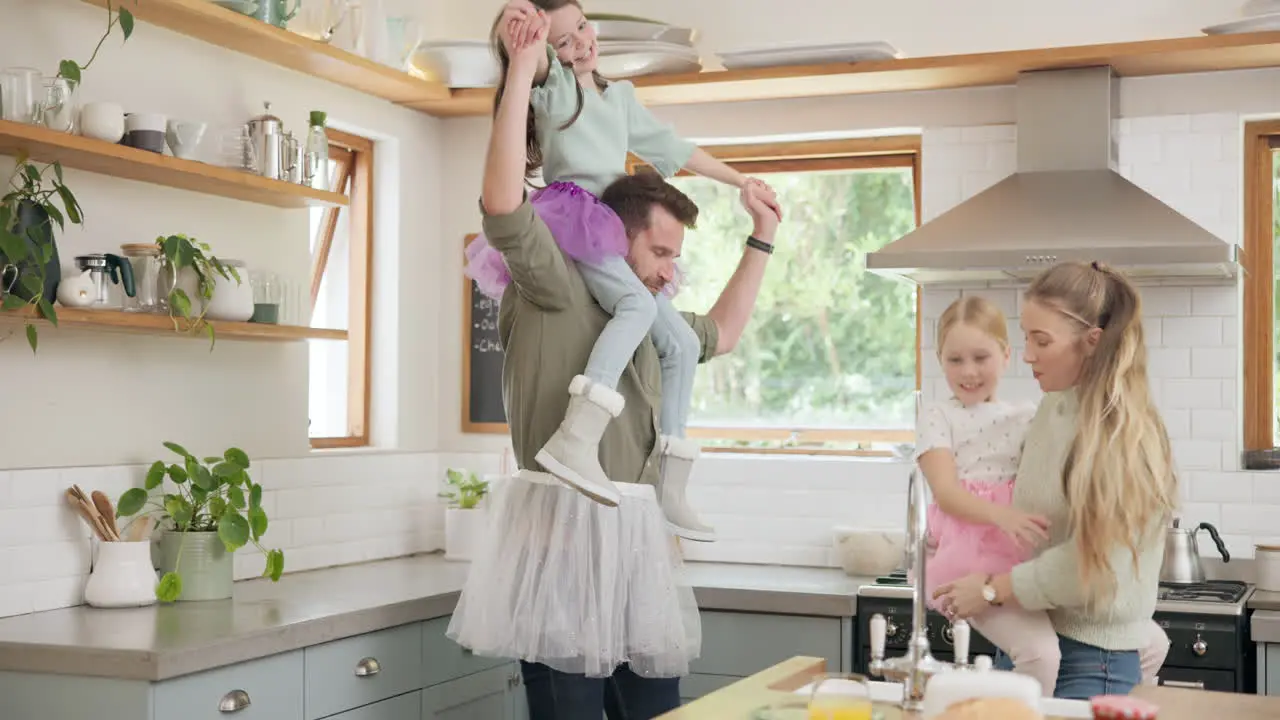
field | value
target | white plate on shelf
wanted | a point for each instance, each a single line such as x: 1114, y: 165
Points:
x: 610, y: 30
x: 456, y: 63
x: 619, y: 61
x: 808, y: 55
x: 1259, y: 23
x: 885, y: 692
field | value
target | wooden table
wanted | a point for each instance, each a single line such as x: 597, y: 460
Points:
x: 739, y: 700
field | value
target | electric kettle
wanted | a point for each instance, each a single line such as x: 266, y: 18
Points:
x: 1182, y: 555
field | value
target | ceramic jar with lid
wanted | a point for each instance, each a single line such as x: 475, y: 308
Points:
x: 231, y: 301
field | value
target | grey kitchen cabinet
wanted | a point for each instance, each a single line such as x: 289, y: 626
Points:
x: 361, y: 670
x: 1269, y: 669
x: 738, y: 644
x: 402, y: 707
x: 266, y: 689
x: 494, y: 693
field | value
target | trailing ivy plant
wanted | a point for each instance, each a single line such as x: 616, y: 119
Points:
x: 33, y: 246
x: 71, y: 70
x: 468, y: 489
x: 213, y: 494
x: 182, y: 253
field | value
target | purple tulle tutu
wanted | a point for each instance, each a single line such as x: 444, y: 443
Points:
x: 586, y: 229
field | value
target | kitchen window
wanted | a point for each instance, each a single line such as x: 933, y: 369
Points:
x: 1261, y: 231
x: 830, y: 360
x: 341, y: 245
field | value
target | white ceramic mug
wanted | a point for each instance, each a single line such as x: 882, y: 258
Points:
x: 145, y: 121
x: 102, y: 121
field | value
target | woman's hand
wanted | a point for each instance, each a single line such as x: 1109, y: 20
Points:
x: 962, y: 599
x: 1023, y: 528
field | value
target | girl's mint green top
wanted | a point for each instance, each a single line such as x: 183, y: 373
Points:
x: 592, y: 152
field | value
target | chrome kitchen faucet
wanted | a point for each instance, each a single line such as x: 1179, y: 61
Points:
x: 915, y: 668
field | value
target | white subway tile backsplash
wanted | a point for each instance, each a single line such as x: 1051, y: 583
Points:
x: 1220, y: 487
x: 1213, y: 424
x: 1195, y: 331
x: 1223, y: 301
x: 324, y: 510
x: 1211, y: 362
x: 1169, y: 362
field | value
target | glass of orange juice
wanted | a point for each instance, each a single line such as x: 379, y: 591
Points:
x: 840, y: 696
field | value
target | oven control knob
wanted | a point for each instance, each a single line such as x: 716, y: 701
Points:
x: 890, y: 629
x: 1199, y: 647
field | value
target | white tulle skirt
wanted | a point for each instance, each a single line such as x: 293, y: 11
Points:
x: 578, y: 586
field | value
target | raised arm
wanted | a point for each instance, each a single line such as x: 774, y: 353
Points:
x: 733, y: 308
x: 532, y: 257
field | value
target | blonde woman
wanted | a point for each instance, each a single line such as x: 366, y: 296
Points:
x: 1097, y: 464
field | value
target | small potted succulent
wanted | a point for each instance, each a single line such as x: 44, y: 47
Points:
x: 215, y: 509
x: 466, y: 517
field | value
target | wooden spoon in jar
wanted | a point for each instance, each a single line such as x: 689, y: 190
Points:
x: 108, y: 513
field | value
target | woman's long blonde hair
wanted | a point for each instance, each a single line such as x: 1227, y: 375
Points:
x: 1119, y: 476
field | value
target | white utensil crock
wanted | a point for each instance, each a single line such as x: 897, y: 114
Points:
x: 122, y: 576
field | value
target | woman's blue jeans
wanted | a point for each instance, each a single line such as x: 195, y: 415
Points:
x: 1087, y: 671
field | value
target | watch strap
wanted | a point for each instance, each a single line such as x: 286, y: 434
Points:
x: 756, y: 244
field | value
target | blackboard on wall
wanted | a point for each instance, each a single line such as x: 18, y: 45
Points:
x: 482, y: 410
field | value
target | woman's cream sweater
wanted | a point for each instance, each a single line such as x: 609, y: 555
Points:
x: 1051, y: 581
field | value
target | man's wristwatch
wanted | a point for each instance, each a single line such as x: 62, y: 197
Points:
x: 757, y: 244
x: 989, y: 592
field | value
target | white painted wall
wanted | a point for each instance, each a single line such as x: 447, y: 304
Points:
x: 917, y: 27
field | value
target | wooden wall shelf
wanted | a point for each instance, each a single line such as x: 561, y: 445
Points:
x: 152, y: 324
x: 73, y: 151
x: 217, y: 25
x: 1131, y: 59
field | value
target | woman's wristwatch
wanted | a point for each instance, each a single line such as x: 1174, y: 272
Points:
x: 758, y: 244
x: 989, y: 592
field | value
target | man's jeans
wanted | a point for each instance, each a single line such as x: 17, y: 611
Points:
x: 554, y: 695
x: 1087, y: 671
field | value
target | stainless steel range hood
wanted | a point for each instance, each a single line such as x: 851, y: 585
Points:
x: 1065, y: 202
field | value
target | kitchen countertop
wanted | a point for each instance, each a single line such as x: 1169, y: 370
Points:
x: 1263, y: 600
x: 309, y: 608
x: 1265, y: 626
x: 740, y: 700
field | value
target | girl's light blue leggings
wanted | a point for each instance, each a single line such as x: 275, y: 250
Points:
x: 637, y: 312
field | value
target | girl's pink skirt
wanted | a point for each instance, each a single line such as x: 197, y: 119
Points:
x: 964, y: 548
x: 587, y: 230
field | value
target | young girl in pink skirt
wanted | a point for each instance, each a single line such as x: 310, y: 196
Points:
x: 968, y: 448
x: 581, y: 129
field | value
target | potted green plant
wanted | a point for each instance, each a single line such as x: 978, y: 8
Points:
x: 29, y: 266
x: 465, y: 517
x: 194, y: 275
x: 215, y: 509
x: 30, y: 269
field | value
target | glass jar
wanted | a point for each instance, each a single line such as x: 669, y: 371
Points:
x: 58, y: 107
x: 268, y: 294
x: 147, y: 263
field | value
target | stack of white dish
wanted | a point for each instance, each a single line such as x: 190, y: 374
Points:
x: 1255, y: 16
x: 774, y: 55
x: 631, y: 46
x: 456, y: 63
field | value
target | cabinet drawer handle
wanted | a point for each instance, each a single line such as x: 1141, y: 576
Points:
x: 368, y: 667
x: 1197, y: 685
x: 234, y: 701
